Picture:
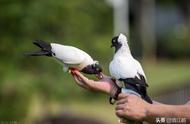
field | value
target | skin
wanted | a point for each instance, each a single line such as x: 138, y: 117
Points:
x: 143, y: 111
x: 104, y: 84
x: 131, y: 106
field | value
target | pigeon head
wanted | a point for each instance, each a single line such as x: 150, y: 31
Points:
x: 94, y: 68
x: 119, y: 41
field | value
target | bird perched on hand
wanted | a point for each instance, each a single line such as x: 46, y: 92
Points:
x: 126, y: 70
x: 71, y: 57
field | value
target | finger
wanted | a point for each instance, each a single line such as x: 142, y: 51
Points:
x: 119, y: 107
x: 72, y: 72
x: 122, y: 101
x: 100, y: 75
x: 86, y: 82
x: 82, y: 77
x: 77, y: 80
x: 76, y: 76
x: 122, y: 95
x: 120, y: 113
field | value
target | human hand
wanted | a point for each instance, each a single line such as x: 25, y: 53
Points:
x: 131, y: 107
x: 104, y: 84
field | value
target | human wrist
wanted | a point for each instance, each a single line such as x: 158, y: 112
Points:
x: 114, y: 92
x: 149, y: 112
x: 155, y: 111
x: 100, y: 86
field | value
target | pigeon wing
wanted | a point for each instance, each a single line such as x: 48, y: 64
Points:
x: 140, y: 73
x: 69, y: 54
x: 139, y: 69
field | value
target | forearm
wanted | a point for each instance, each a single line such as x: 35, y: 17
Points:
x: 167, y: 111
x: 101, y: 86
x: 105, y: 84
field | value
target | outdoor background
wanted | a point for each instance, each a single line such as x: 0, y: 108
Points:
x: 35, y: 90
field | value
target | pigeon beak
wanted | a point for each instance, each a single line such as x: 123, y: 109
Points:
x: 112, y: 45
x: 100, y: 75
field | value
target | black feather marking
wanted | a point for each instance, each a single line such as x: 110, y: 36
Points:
x: 45, y: 49
x: 88, y: 70
x: 115, y: 43
x: 37, y: 53
x: 43, y: 45
x: 137, y: 85
x: 92, y: 69
x: 142, y: 78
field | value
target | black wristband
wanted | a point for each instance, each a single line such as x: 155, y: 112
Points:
x: 115, y: 91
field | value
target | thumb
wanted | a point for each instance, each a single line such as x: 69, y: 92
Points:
x: 81, y: 76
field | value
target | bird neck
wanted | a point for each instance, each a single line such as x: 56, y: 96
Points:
x: 125, y: 50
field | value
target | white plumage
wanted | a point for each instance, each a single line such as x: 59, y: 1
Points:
x: 123, y: 64
x: 125, y: 67
x: 70, y: 56
x: 126, y: 70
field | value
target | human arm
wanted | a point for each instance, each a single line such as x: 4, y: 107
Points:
x: 177, y: 112
x: 135, y: 108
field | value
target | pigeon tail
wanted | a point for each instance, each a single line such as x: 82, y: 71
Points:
x: 137, y: 85
x: 45, y: 49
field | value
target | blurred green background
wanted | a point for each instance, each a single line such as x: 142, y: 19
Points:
x: 35, y: 89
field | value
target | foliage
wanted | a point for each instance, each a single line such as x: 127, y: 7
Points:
x: 175, y: 44
x: 76, y: 23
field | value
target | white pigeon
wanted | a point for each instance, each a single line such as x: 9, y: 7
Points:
x: 126, y: 70
x: 71, y: 57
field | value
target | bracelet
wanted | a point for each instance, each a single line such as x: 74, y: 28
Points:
x: 115, y: 91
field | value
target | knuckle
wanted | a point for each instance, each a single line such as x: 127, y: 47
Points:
x: 127, y: 108
x: 119, y: 113
x: 120, y: 95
